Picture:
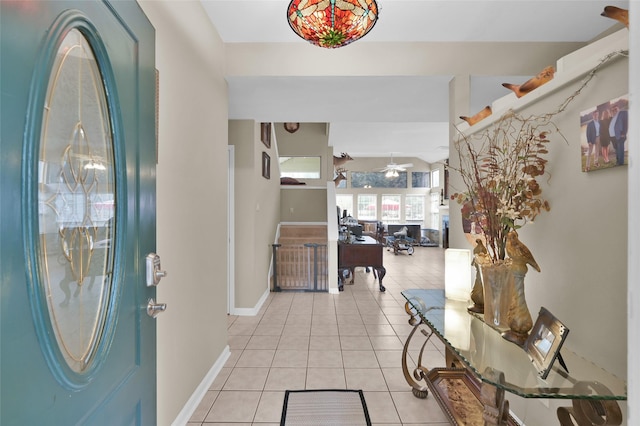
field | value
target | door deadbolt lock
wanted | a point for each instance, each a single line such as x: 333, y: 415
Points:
x: 154, y: 271
x: 154, y: 309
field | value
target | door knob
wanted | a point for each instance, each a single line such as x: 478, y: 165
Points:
x: 154, y: 271
x: 154, y: 309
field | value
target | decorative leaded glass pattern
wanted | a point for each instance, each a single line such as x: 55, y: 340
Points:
x: 332, y: 23
x: 76, y: 195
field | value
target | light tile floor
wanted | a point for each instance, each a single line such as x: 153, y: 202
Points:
x: 351, y: 340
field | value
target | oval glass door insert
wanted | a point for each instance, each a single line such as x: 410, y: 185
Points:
x: 77, y: 202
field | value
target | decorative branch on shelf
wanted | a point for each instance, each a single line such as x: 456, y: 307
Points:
x: 500, y: 167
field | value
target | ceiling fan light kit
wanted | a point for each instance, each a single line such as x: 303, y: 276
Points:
x: 392, y: 168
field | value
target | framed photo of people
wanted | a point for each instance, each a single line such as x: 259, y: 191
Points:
x: 603, y: 135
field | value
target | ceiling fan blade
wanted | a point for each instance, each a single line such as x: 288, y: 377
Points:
x: 397, y: 167
x: 404, y: 166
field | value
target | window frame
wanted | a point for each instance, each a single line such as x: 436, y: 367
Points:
x: 375, y: 210
x: 421, y: 197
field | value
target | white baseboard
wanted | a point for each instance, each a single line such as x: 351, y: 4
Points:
x: 192, y: 404
x: 518, y: 421
x: 249, y: 312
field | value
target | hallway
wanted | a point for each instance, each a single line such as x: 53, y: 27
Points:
x: 352, y: 340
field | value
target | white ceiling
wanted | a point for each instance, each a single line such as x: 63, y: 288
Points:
x: 407, y: 116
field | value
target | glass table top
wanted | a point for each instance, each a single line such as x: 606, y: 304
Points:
x: 482, y: 349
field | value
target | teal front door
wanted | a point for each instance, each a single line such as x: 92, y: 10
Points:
x: 77, y: 214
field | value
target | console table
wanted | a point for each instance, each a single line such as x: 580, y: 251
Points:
x: 366, y: 253
x: 491, y: 365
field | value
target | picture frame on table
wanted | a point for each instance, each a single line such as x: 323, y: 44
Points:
x: 545, y: 341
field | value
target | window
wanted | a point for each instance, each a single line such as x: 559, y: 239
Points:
x: 345, y: 202
x: 421, y: 179
x: 367, y: 209
x: 391, y: 208
x: 414, y: 207
x: 300, y: 167
x: 435, y: 178
x: 378, y: 180
x: 435, y: 216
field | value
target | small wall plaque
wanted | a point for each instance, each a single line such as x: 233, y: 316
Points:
x: 265, y: 134
x: 266, y: 166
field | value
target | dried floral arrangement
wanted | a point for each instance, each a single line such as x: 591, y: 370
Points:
x: 501, y: 167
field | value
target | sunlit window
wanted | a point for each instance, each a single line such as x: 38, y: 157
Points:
x: 367, y: 207
x: 435, y: 214
x: 300, y: 167
x: 421, y: 179
x: 414, y: 207
x: 391, y: 208
x: 345, y: 202
x: 435, y: 178
x: 378, y: 180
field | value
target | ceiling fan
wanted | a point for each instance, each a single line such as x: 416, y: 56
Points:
x: 392, y: 168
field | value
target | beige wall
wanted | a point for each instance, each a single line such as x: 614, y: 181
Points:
x: 581, y: 244
x: 256, y: 214
x: 242, y: 135
x: 305, y: 203
x: 191, y: 203
x: 298, y: 204
x: 311, y: 139
x: 393, y: 59
x: 633, y: 267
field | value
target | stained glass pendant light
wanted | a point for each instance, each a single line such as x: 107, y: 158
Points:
x: 332, y: 23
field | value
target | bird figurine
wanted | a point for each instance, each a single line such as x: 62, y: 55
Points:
x: 519, y: 253
x: 477, y: 292
x: 543, y: 77
x: 620, y: 15
x: 484, y: 113
x: 479, y: 248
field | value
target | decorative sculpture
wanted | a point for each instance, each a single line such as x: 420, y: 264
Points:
x: 484, y: 113
x: 291, y: 127
x: 341, y: 176
x: 519, y: 253
x: 543, y: 77
x: 620, y: 15
x: 339, y: 161
x: 477, y: 292
x: 520, y: 321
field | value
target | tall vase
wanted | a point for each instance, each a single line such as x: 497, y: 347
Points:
x: 496, y: 281
x: 520, y: 321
